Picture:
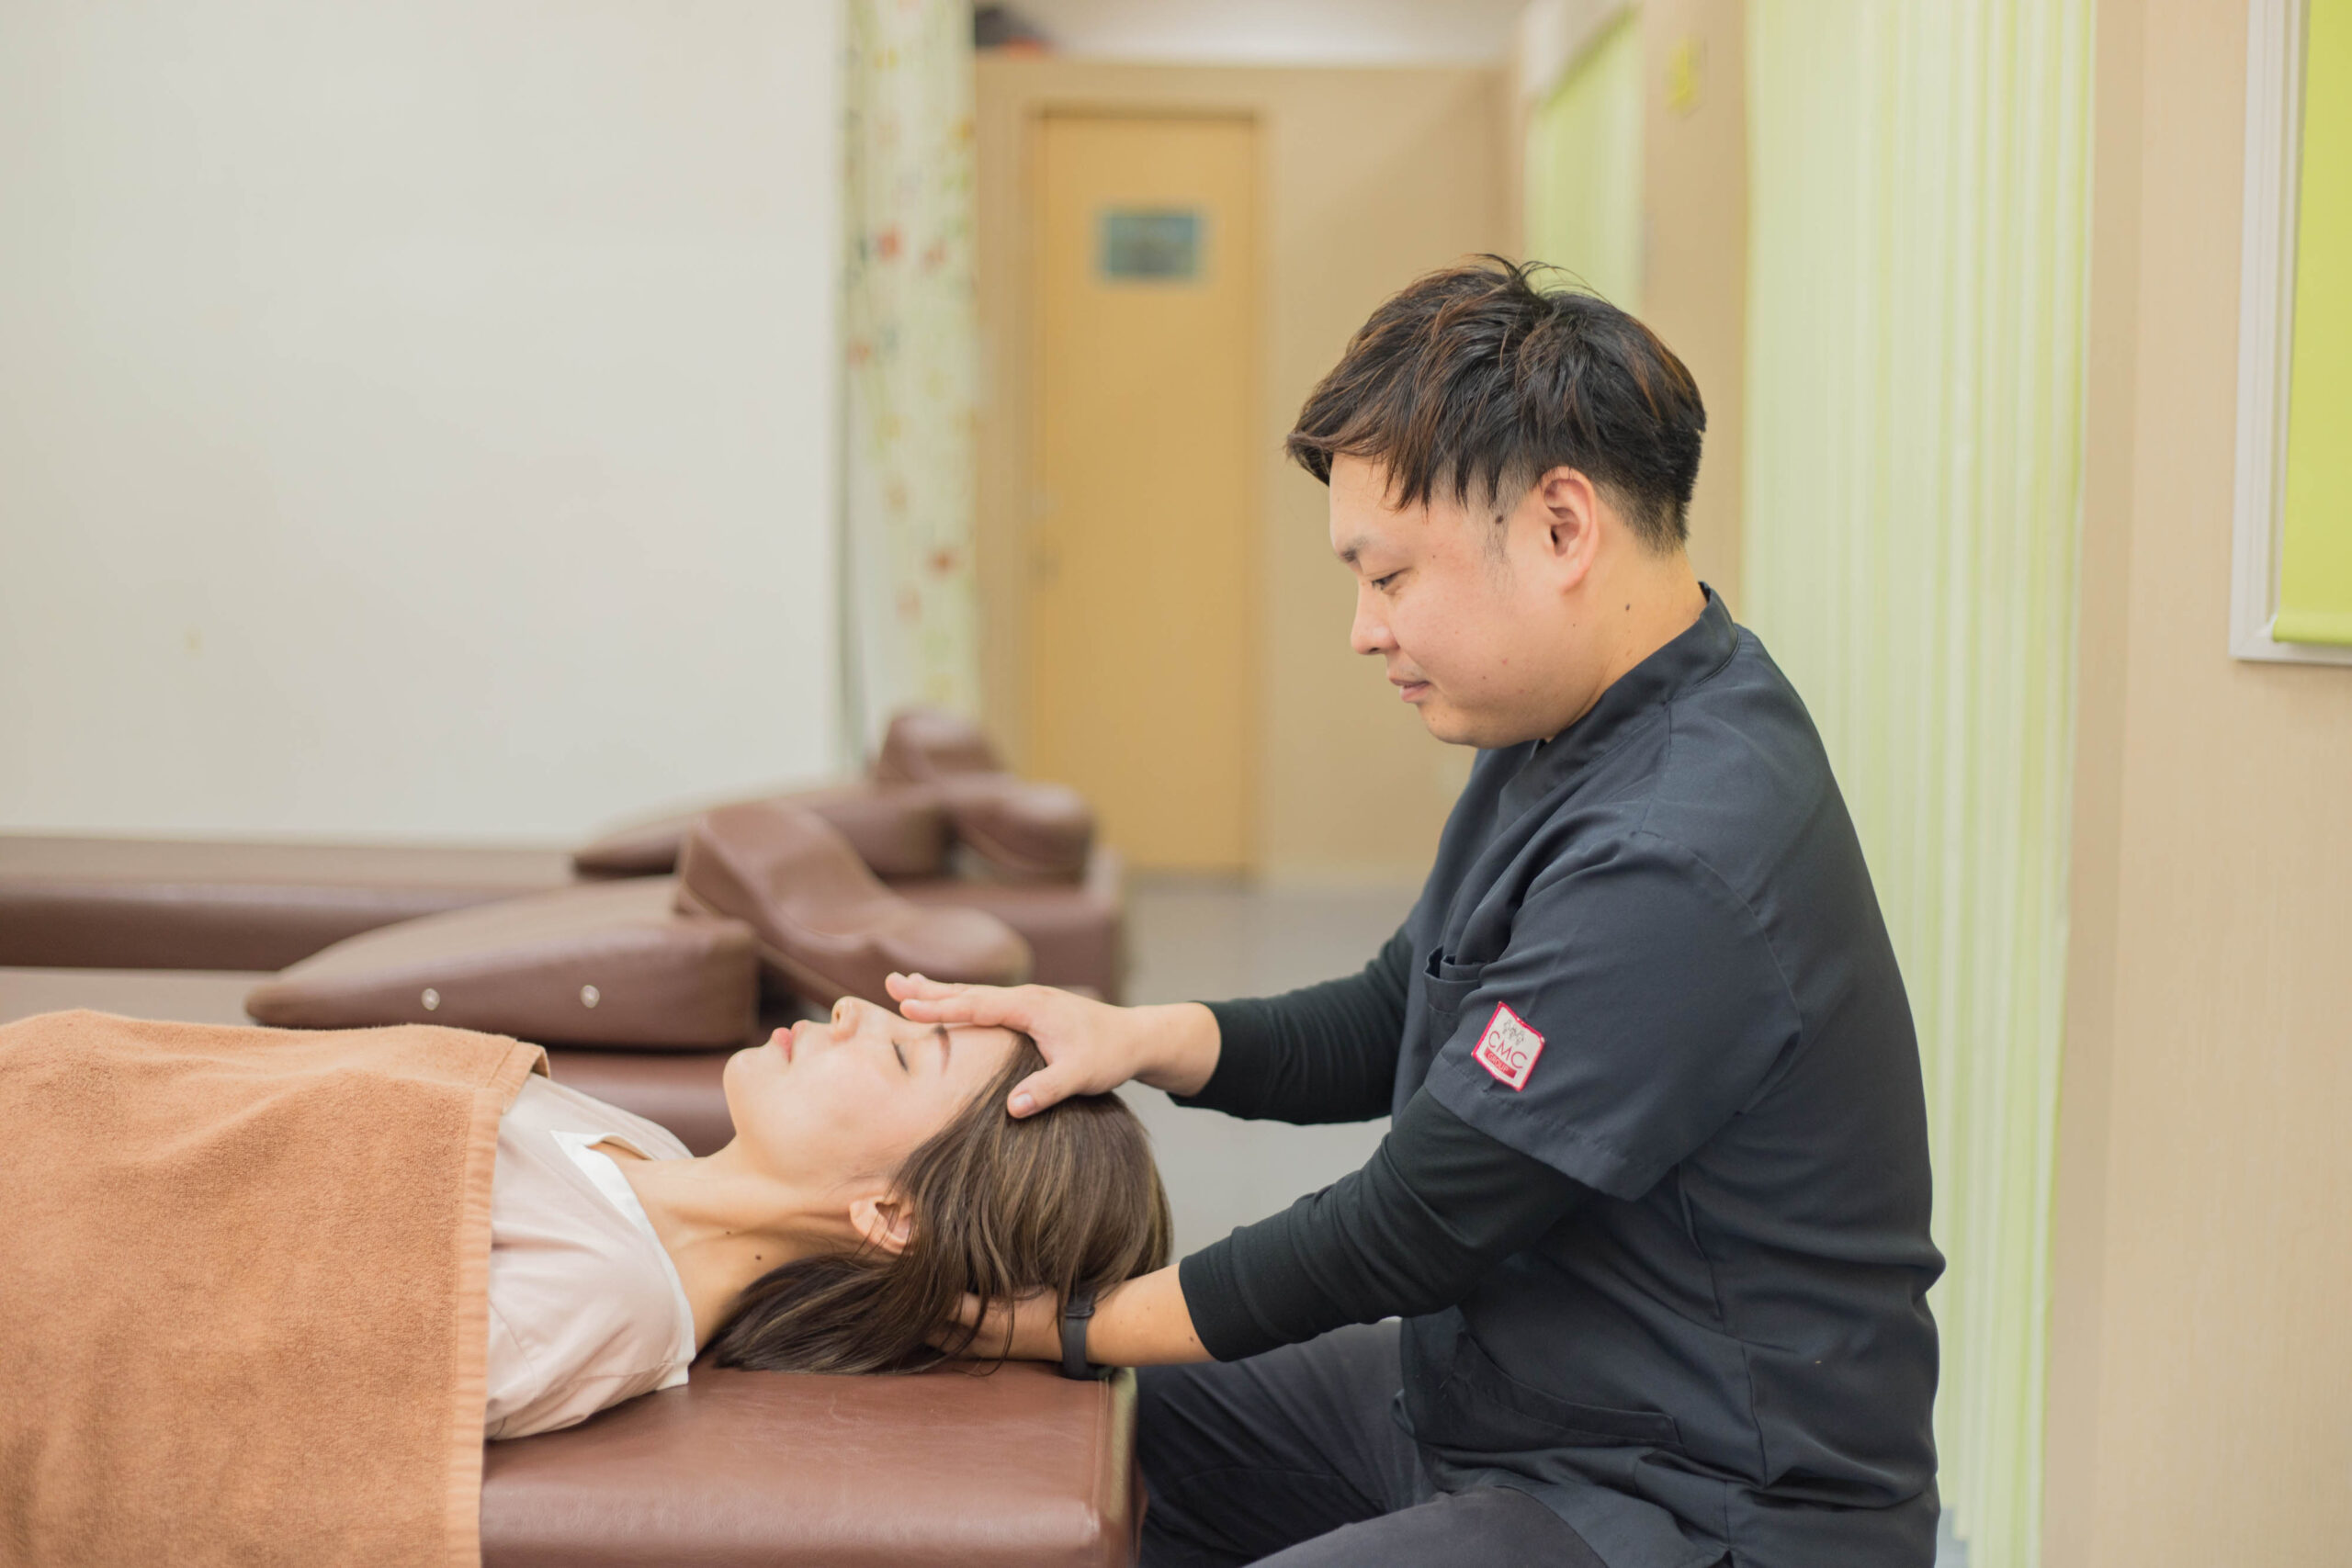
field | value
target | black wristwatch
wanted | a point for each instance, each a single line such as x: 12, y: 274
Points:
x: 1076, y: 1312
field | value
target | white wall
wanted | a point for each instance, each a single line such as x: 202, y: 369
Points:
x: 416, y: 419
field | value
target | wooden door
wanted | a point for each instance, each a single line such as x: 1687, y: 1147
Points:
x: 1143, y: 531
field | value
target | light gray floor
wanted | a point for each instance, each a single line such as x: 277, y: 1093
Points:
x: 1194, y: 941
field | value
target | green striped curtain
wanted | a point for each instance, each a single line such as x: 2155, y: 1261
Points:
x: 1919, y: 206
x: 1583, y: 206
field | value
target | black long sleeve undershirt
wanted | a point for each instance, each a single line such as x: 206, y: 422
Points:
x: 1323, y: 1053
x: 1438, y: 1204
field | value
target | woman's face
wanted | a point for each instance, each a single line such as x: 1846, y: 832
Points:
x: 840, y: 1105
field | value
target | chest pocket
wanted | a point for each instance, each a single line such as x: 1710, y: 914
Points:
x: 1446, y: 987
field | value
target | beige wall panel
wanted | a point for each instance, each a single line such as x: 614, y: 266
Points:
x: 2203, y: 1256
x: 1370, y: 177
x: 1694, y: 264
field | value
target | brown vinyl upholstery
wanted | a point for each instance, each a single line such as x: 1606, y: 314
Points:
x: 600, y: 964
x: 897, y: 832
x: 1077, y: 933
x: 173, y: 904
x: 1015, y: 1468
x: 144, y: 905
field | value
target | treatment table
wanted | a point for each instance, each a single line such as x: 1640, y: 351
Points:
x: 1013, y: 1466
x: 191, y: 904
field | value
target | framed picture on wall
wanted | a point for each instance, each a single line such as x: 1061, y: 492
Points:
x: 2291, y: 575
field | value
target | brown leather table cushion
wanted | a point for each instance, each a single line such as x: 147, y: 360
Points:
x: 166, y: 904
x: 1018, y: 1468
x: 680, y: 1089
x: 607, y: 963
x: 136, y: 904
x: 896, y: 833
x: 1077, y: 933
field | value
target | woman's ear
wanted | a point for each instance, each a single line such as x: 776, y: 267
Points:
x: 887, y: 1223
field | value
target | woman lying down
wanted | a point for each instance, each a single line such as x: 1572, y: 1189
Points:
x: 874, y: 1179
x: 263, y: 1291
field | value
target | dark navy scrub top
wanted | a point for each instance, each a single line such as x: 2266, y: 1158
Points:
x: 1649, y: 957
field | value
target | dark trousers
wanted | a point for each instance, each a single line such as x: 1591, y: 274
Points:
x: 1293, y: 1459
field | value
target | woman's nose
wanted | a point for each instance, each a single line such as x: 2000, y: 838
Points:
x: 849, y: 1014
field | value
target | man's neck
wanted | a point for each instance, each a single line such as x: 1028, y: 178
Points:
x: 1636, y: 609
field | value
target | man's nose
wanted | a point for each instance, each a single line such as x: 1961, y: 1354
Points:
x: 1370, y: 632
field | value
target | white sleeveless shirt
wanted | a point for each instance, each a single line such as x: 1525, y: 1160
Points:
x: 585, y: 1307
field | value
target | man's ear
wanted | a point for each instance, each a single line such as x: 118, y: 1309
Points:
x: 887, y: 1223
x: 1571, y: 517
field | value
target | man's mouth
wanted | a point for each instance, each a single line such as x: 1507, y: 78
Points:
x: 1410, y: 691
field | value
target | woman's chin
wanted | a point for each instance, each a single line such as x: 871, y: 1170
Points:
x: 771, y: 1056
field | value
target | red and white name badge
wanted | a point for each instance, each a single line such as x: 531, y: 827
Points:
x: 1509, y: 1048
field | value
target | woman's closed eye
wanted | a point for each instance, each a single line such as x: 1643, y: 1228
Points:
x: 937, y: 1033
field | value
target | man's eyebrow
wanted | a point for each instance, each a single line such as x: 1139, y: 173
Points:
x: 1352, y: 549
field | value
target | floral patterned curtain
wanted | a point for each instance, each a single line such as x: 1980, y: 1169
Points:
x: 910, y: 615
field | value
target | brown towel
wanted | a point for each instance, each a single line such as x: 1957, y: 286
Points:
x: 243, y: 1272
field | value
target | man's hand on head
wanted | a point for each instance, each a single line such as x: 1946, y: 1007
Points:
x: 1090, y: 1047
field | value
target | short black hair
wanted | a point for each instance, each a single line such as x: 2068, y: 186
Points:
x: 1476, y: 376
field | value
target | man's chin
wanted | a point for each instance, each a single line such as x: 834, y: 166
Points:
x: 1485, y: 732
x: 1447, y: 724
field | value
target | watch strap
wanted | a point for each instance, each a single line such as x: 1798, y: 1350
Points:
x: 1077, y: 1312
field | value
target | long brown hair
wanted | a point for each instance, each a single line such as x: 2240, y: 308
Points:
x: 1067, y: 1198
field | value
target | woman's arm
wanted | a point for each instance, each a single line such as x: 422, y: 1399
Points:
x: 1143, y: 1322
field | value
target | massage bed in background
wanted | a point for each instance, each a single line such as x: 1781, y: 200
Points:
x: 939, y: 819
x: 187, y: 903
x: 1015, y: 1467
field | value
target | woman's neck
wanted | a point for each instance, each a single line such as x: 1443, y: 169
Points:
x: 723, y: 1225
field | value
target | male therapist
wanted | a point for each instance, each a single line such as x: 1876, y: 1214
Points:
x: 1652, y: 1207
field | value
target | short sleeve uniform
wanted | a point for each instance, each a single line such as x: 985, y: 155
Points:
x: 1648, y: 955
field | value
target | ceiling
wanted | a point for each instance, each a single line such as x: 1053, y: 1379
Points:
x: 1285, y: 32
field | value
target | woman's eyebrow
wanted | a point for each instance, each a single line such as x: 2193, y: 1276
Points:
x: 941, y: 1030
